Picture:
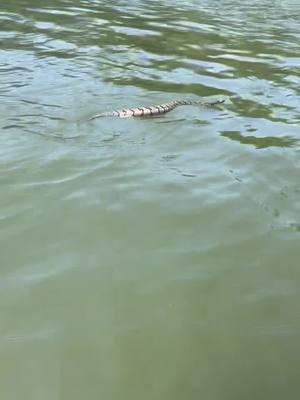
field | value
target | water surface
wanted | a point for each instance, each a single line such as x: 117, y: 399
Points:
x: 149, y: 258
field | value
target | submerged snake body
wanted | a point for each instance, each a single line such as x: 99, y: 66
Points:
x: 154, y: 110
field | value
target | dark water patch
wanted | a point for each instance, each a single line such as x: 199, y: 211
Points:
x: 262, y: 142
x: 12, y: 126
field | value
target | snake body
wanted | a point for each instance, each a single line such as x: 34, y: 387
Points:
x: 154, y: 110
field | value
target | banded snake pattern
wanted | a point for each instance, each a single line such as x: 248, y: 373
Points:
x: 154, y: 110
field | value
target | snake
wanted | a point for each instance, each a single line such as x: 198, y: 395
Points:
x: 154, y: 110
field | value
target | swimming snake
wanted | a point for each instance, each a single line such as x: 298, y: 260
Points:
x: 154, y: 110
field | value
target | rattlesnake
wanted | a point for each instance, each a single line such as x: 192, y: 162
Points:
x: 154, y: 110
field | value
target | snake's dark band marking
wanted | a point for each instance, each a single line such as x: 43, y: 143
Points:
x: 142, y: 110
x: 155, y: 110
x: 150, y: 110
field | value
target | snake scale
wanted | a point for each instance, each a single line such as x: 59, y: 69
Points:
x: 154, y: 110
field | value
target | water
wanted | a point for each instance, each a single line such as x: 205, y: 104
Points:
x: 149, y: 258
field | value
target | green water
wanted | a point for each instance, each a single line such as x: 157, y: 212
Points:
x: 149, y: 258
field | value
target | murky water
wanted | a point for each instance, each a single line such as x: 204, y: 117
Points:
x: 149, y: 258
